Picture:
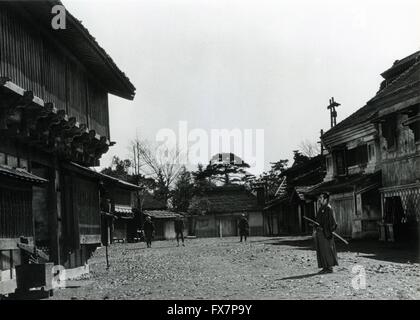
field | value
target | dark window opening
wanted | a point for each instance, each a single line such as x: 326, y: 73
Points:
x: 371, y: 152
x: 340, y: 162
x: 414, y: 125
x: 389, y: 131
x: 416, y: 130
x: 357, y: 156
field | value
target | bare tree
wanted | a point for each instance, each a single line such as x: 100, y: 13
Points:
x: 159, y: 162
x: 309, y: 148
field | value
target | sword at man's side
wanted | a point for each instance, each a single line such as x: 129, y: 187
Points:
x: 335, y: 234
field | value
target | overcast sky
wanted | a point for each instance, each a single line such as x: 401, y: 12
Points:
x: 247, y: 64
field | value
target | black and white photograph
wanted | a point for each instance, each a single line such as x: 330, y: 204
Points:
x: 210, y: 154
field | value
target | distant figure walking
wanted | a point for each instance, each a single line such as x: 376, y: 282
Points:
x: 243, y: 227
x: 179, y: 230
x: 149, y: 230
x: 324, y: 240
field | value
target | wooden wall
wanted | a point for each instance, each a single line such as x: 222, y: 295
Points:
x: 256, y: 224
x: 123, y: 197
x: 15, y: 210
x: 400, y: 164
x: 344, y: 212
x: 35, y: 61
x: 86, y: 206
x: 205, y: 226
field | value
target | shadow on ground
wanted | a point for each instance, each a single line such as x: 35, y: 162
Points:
x: 303, y: 276
x: 399, y: 252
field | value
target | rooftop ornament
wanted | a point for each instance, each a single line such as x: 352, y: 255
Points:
x: 333, y: 112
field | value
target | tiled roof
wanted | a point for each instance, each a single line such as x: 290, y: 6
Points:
x: 398, y: 64
x: 20, y: 174
x: 404, y: 80
x: 162, y: 214
x: 224, y: 199
x: 93, y: 173
x: 123, y: 209
x: 301, y: 191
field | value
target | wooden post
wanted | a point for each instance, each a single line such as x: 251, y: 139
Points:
x: 106, y: 255
x: 11, y: 263
x: 300, y: 217
x: 54, y: 214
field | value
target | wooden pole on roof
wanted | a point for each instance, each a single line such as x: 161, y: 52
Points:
x: 320, y: 142
x: 333, y: 112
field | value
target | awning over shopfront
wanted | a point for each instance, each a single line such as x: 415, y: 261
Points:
x: 100, y: 176
x: 357, y: 183
x: 20, y: 174
x: 123, y: 211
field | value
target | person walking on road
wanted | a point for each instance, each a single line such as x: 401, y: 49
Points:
x: 243, y: 227
x: 323, y: 234
x: 149, y: 230
x: 179, y: 230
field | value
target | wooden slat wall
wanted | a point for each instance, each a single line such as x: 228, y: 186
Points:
x: 21, y: 53
x: 77, y: 95
x: 55, y: 77
x: 36, y: 63
x: 86, y: 205
x: 15, y: 212
x: 98, y: 109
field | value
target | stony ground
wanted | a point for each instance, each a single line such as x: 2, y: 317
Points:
x: 263, y: 268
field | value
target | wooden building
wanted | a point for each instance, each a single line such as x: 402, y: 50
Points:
x: 398, y: 122
x: 54, y: 122
x: 353, y: 174
x: 217, y: 211
x: 122, y: 222
x: 284, y: 214
x: 164, y: 221
x: 373, y: 158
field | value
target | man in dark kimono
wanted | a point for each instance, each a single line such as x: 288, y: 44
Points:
x: 324, y: 240
x: 179, y: 230
x: 149, y: 229
x: 243, y: 227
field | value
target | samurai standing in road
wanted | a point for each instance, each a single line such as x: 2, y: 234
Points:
x: 149, y: 230
x: 324, y: 241
x: 243, y: 227
x: 179, y: 230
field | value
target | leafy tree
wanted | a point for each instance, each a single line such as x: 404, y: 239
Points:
x: 183, y: 191
x: 119, y: 168
x: 272, y: 179
x: 201, y: 179
x: 227, y: 172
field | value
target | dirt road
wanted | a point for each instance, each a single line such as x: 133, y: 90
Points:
x: 263, y: 268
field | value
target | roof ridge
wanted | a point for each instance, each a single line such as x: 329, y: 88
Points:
x: 395, y: 80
